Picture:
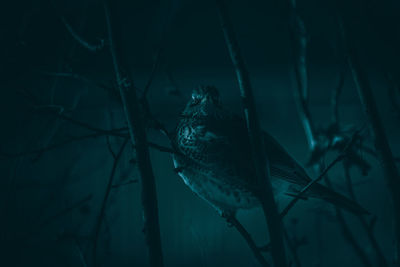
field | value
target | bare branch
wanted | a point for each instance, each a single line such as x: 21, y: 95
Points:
x: 335, y: 99
x: 369, y: 230
x: 293, y: 246
x: 393, y: 96
x: 260, y: 159
x: 231, y: 219
x: 110, y: 147
x: 58, y: 215
x: 137, y: 133
x: 339, y: 158
x: 153, y: 72
x: 126, y: 183
x: 391, y: 173
x: 91, y: 47
x: 78, y: 77
x: 105, y: 199
x: 5, y: 155
x: 299, y: 38
x: 347, y: 234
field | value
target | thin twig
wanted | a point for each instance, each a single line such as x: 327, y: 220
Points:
x: 58, y: 111
x: 91, y: 47
x: 348, y: 234
x: 339, y: 158
x: 105, y: 199
x: 393, y: 97
x: 78, y: 77
x: 153, y: 72
x: 114, y: 132
x: 126, y: 183
x: 137, y: 132
x: 335, y: 99
x: 58, y: 215
x: 110, y: 147
x: 231, y: 219
x: 384, y: 152
x: 369, y: 230
x: 293, y: 248
x: 259, y: 157
x: 299, y: 40
x: 80, y: 253
x: 5, y: 155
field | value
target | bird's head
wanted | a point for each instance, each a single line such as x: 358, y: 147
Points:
x: 204, y: 101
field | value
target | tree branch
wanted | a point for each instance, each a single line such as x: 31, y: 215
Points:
x: 335, y: 100
x: 339, y: 158
x: 137, y: 133
x: 5, y: 155
x: 369, y: 230
x: 392, y: 88
x: 347, y: 234
x: 105, y: 199
x: 58, y: 215
x: 260, y: 160
x: 232, y: 220
x: 317, y: 141
x: 77, y: 77
x: 91, y: 47
x: 382, y: 147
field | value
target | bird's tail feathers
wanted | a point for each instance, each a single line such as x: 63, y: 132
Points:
x: 339, y: 200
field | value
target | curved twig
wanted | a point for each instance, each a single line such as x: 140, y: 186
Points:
x: 91, y: 47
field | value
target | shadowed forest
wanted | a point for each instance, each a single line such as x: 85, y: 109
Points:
x: 91, y: 95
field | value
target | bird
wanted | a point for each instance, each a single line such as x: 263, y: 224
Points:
x: 214, y: 159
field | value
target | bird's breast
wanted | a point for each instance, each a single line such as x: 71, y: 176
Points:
x: 214, y: 188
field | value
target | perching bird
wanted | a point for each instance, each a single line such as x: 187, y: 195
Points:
x: 215, y: 159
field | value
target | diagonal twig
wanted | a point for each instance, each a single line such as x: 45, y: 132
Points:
x: 384, y: 152
x: 232, y: 220
x: 339, y: 158
x: 105, y: 199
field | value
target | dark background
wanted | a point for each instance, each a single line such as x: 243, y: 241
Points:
x: 39, y: 227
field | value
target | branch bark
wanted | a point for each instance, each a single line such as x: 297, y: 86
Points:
x: 382, y: 147
x: 231, y: 219
x: 91, y: 47
x: 339, y: 158
x: 137, y: 133
x: 260, y: 159
x: 105, y: 199
x: 299, y: 40
x: 368, y: 229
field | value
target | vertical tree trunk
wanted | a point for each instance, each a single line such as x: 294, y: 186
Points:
x: 137, y: 132
x: 260, y: 159
x: 384, y: 153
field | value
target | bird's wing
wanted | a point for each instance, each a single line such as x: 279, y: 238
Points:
x: 224, y: 141
x: 231, y: 139
x: 282, y: 164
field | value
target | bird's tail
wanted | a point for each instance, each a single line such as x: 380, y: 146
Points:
x: 327, y: 194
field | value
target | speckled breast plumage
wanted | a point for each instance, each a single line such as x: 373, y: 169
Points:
x: 205, y: 169
x: 215, y: 159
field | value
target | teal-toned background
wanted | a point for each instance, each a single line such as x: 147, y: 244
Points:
x: 33, y: 190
